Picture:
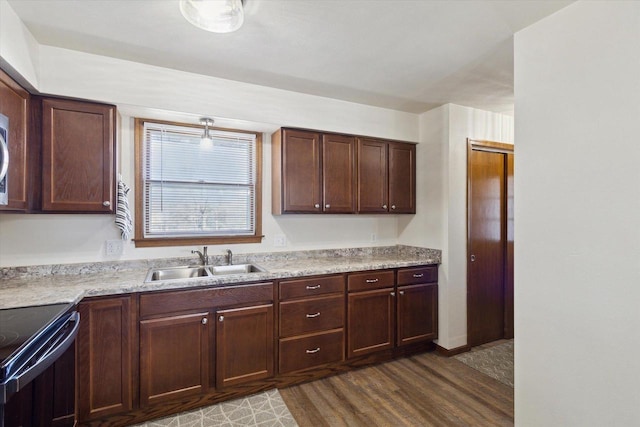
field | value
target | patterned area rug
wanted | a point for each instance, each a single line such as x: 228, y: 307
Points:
x: 262, y: 409
x: 495, y: 361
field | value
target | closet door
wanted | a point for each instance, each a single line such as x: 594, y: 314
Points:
x: 489, y: 279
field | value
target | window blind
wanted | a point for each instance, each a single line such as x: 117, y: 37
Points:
x: 198, y: 189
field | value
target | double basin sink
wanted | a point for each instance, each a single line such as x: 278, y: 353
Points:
x: 190, y: 272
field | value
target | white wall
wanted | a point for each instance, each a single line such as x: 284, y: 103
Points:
x: 154, y: 92
x: 577, y: 232
x: 441, y: 221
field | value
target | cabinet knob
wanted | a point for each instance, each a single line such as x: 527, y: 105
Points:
x: 221, y: 319
x: 401, y: 292
x: 204, y: 320
x: 393, y: 294
x: 327, y: 206
x: 473, y: 258
x: 106, y: 203
x: 393, y: 206
x: 384, y: 206
x: 315, y: 350
x: 317, y: 206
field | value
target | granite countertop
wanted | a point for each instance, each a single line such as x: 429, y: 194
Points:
x: 21, y: 287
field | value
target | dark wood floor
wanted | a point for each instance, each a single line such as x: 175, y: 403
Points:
x: 423, y: 390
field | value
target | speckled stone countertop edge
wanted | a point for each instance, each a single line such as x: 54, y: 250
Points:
x: 27, y: 290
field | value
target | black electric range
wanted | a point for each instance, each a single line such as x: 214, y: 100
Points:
x: 32, y: 339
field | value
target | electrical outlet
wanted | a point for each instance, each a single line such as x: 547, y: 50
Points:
x: 113, y: 247
x: 280, y: 240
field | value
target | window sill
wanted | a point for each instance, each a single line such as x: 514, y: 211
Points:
x: 189, y: 241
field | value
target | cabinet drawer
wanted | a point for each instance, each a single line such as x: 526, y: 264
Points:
x: 311, y: 350
x: 311, y: 315
x: 370, y: 280
x: 311, y: 286
x: 152, y: 304
x: 410, y: 276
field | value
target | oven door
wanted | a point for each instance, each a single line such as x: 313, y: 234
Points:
x: 43, y: 380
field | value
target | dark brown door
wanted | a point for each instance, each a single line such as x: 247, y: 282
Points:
x: 105, y: 342
x: 244, y: 345
x: 487, y: 243
x: 373, y: 181
x: 508, y: 278
x: 370, y: 321
x: 402, y: 178
x: 78, y: 146
x: 14, y: 103
x: 338, y: 173
x: 301, y: 178
x: 417, y: 313
x: 169, y: 342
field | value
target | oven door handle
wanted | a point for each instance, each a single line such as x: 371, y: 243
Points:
x: 51, y: 355
x: 4, y: 158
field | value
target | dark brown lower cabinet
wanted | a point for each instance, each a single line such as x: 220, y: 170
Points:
x: 105, y: 354
x: 174, y: 357
x: 244, y: 345
x: 417, y: 313
x: 370, y: 320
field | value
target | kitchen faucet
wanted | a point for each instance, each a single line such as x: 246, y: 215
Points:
x: 204, y: 258
x: 229, y: 257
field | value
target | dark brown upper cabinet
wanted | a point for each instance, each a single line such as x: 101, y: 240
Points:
x: 78, y: 156
x: 313, y: 172
x: 14, y: 103
x: 386, y: 176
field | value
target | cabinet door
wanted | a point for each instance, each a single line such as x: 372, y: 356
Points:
x: 402, y: 178
x: 372, y: 176
x: 14, y: 103
x: 174, y: 357
x: 105, y: 341
x: 370, y: 321
x: 244, y: 345
x: 78, y: 161
x: 338, y: 173
x: 301, y: 172
x: 417, y: 313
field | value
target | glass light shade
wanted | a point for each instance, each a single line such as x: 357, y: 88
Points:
x: 218, y: 16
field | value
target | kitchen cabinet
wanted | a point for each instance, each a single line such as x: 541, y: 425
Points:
x: 14, y: 103
x: 170, y: 342
x: 78, y: 156
x: 311, y: 322
x: 313, y: 172
x: 244, y: 345
x: 105, y: 346
x: 417, y: 305
x: 383, y: 315
x: 183, y: 354
x: 386, y: 176
x: 370, y: 311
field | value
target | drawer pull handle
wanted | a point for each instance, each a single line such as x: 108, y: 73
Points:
x: 313, y: 288
x: 417, y: 276
x: 311, y: 316
x: 372, y: 280
x: 315, y: 350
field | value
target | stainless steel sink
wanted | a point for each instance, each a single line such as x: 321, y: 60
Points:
x: 172, y: 273
x: 190, y: 272
x: 220, y: 270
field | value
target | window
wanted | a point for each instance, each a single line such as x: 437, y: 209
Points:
x: 190, y: 191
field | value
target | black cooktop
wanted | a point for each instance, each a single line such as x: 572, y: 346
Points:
x: 19, y: 325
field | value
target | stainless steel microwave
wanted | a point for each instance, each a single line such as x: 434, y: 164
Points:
x: 4, y: 159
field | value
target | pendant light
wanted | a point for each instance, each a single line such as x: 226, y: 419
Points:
x: 218, y: 16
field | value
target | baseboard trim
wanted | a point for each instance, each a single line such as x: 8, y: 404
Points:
x: 453, y: 351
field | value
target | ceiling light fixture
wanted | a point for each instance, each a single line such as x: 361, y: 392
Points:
x: 218, y: 16
x: 206, y: 140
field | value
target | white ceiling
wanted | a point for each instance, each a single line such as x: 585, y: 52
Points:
x: 408, y: 55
